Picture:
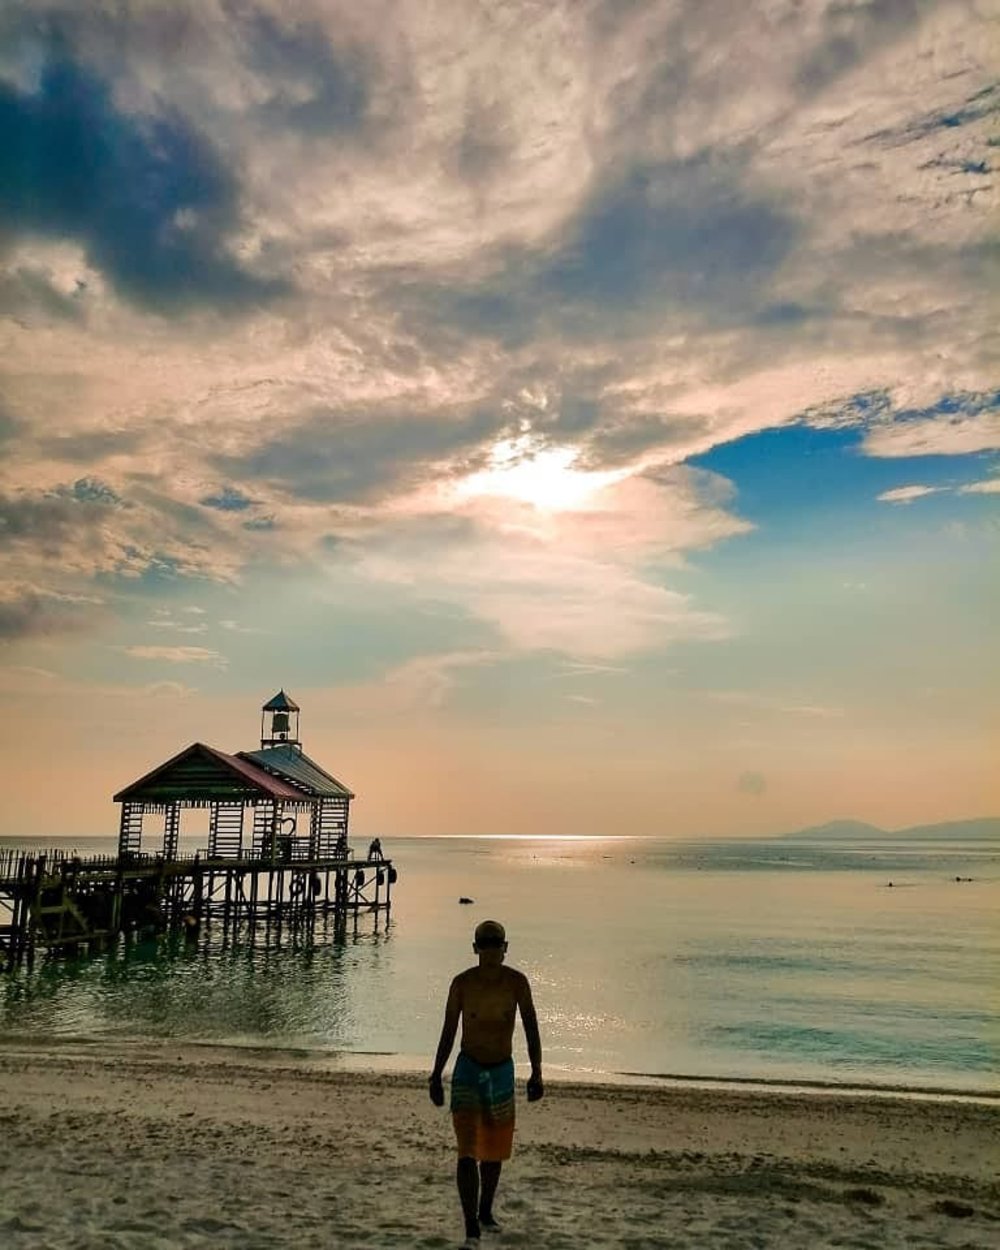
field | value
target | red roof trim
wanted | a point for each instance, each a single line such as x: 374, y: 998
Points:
x: 257, y: 777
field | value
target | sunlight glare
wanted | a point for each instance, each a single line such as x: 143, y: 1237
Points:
x: 542, y: 477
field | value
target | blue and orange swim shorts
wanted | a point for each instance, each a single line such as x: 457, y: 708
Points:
x: 482, y: 1109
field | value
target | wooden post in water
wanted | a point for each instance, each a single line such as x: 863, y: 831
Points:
x: 197, y: 894
x: 281, y: 901
x: 117, y: 897
x: 34, y: 908
x: 254, y: 888
x: 227, y: 904
x: 13, y: 867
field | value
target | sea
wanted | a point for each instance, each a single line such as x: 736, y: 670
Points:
x: 845, y: 963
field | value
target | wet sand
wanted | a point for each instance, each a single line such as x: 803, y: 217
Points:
x: 145, y: 1148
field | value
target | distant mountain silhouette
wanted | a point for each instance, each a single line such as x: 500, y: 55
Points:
x: 986, y: 828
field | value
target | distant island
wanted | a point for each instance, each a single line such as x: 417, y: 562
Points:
x: 985, y: 829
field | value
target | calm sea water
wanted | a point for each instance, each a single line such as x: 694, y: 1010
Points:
x: 777, y: 960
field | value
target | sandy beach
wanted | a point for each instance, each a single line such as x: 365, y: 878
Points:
x: 190, y: 1146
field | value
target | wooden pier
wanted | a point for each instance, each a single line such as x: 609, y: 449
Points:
x: 260, y: 875
x: 57, y: 901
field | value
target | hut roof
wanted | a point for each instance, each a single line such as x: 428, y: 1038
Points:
x: 280, y: 703
x: 293, y: 765
x: 200, y: 773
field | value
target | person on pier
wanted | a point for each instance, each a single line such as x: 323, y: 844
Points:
x: 486, y: 1000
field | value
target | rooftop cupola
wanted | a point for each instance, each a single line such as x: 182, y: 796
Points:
x: 279, y: 722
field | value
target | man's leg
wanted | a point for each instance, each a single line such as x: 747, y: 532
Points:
x: 467, y: 1176
x: 489, y: 1174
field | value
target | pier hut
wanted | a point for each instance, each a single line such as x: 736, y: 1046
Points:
x: 277, y: 855
x: 273, y: 804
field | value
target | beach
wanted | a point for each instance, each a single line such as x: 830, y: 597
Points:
x: 122, y: 1146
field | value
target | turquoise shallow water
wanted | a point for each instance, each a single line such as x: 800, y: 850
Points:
x: 743, y: 960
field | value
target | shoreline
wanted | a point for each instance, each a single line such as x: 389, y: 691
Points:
x: 808, y: 1086
x: 390, y: 1063
x: 139, y: 1148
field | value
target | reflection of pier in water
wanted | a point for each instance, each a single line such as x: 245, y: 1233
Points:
x: 258, y: 876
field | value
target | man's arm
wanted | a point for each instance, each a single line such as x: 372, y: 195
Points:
x: 452, y: 1014
x: 529, y: 1020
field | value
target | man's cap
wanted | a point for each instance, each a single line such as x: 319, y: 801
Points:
x: 490, y: 933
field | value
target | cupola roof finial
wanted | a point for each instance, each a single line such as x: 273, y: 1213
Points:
x: 280, y: 703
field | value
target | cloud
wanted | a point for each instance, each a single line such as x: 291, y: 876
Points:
x: 176, y: 655
x: 229, y: 499
x: 956, y: 425
x: 427, y: 680
x: 588, y: 668
x: 420, y: 684
x: 28, y: 682
x: 540, y: 598
x: 64, y: 526
x: 482, y: 149
x: 165, y: 690
x: 981, y: 105
x: 751, y: 700
x: 906, y: 494
x: 851, y: 35
x: 90, y: 490
x: 234, y: 627
x: 815, y: 710
x: 680, y: 233
x: 91, y: 446
x: 179, y: 627
x: 28, y: 292
x: 125, y: 538
x: 147, y: 195
x: 312, y: 87
x: 625, y: 233
x: 9, y: 428
x: 361, y: 457
x: 28, y: 611
x: 585, y: 579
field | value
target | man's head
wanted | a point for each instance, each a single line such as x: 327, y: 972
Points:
x: 490, y: 941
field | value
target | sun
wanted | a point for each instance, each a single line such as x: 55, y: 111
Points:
x: 543, y: 477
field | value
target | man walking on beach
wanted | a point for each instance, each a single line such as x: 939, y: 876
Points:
x: 486, y: 998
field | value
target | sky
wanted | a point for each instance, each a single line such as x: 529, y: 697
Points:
x: 589, y: 412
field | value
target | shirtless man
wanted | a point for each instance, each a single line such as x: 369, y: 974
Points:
x: 486, y: 999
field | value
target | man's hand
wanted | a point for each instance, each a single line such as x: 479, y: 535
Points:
x: 435, y: 1087
x: 536, y: 1089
